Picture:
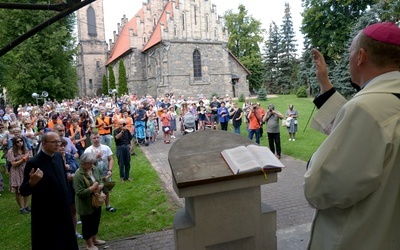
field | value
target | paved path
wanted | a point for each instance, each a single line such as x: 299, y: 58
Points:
x: 286, y: 196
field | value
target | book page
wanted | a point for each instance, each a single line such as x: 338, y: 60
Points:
x: 265, y: 157
x: 240, y: 160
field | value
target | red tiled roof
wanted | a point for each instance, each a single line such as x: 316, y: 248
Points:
x: 156, y: 36
x: 122, y: 45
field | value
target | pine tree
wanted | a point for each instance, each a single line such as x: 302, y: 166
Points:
x: 271, y: 53
x: 104, y: 85
x: 122, y: 84
x: 382, y: 11
x: 287, y: 53
x: 111, y: 77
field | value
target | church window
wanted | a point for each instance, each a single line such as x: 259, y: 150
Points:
x: 206, y: 23
x: 195, y: 15
x: 90, y: 84
x: 154, y: 21
x: 98, y: 65
x: 183, y: 21
x: 197, y: 65
x: 91, y: 22
x: 175, y: 31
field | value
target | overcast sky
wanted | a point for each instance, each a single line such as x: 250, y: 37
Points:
x: 274, y: 11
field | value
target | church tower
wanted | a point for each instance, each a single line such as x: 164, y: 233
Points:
x: 92, y: 49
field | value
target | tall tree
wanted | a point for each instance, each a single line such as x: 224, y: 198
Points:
x: 271, y: 58
x: 122, y: 84
x: 380, y: 12
x: 287, y: 54
x: 111, y: 77
x: 104, y: 86
x: 245, y: 35
x: 327, y: 24
x: 44, y: 62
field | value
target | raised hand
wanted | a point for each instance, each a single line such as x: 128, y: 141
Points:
x: 321, y: 71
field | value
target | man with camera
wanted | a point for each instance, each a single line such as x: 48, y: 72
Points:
x: 124, y: 144
x: 255, y: 119
x: 273, y: 129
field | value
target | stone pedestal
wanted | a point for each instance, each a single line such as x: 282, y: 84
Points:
x: 222, y: 210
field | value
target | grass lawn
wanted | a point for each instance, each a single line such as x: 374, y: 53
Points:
x: 307, y: 139
x: 143, y: 205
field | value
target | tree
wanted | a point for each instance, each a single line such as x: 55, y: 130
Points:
x: 271, y: 58
x: 380, y: 12
x: 111, y: 77
x: 44, y: 62
x: 286, y: 65
x: 104, y: 85
x: 327, y: 24
x: 245, y: 35
x: 122, y: 84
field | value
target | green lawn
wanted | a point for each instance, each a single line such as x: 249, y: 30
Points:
x: 143, y: 205
x: 307, y: 139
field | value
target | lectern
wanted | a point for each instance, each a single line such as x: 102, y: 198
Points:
x: 222, y: 210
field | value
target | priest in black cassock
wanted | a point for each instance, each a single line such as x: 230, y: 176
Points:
x: 46, y: 180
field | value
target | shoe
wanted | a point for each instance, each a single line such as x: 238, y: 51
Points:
x: 111, y: 209
x: 99, y: 242
x: 129, y: 179
x: 293, y: 139
x: 92, y: 248
x: 28, y: 209
x: 168, y: 142
x: 133, y: 153
x: 290, y: 139
x: 79, y: 222
x: 23, y: 211
x: 79, y: 236
x: 173, y: 137
x: 122, y: 180
x: 278, y: 156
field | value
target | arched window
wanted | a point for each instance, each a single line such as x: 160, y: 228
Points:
x: 91, y: 22
x: 197, y: 65
x: 183, y: 21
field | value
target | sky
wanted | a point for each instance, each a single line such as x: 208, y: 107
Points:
x: 265, y: 13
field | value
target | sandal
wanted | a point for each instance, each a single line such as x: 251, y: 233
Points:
x: 111, y: 209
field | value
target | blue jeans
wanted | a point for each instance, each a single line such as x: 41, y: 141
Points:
x: 105, y: 139
x: 257, y: 133
x: 236, y: 130
x: 124, y: 161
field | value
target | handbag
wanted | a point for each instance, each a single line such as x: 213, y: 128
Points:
x: 99, y: 198
x: 283, y: 123
x: 109, y: 185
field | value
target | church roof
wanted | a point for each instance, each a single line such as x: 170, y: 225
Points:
x: 156, y: 36
x: 122, y: 45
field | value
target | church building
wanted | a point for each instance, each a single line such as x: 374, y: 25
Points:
x: 169, y: 46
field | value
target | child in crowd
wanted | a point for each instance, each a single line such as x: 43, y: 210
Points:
x: 172, y: 113
x: 150, y: 129
x: 165, y: 125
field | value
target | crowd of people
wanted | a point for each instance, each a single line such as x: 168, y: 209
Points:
x: 80, y: 132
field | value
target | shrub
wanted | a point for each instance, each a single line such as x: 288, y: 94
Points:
x: 302, y: 92
x: 242, y: 98
x: 262, y: 94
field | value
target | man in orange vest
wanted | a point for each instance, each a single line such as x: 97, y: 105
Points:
x: 54, y: 120
x: 104, y: 125
x: 77, y: 135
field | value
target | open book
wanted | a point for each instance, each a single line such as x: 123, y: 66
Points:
x: 251, y: 158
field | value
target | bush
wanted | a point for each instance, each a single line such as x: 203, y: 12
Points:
x: 302, y: 92
x: 262, y: 94
x: 213, y: 94
x: 242, y: 98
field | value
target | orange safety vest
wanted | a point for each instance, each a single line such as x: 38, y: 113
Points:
x: 101, y: 129
x: 72, y: 133
x: 116, y: 119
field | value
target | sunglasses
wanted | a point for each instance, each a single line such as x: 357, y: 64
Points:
x: 17, y: 141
